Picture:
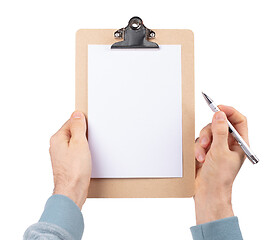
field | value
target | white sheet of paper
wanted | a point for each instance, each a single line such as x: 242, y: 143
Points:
x: 135, y: 112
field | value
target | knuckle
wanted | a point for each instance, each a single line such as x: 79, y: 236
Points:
x: 50, y: 150
x: 53, y: 139
x: 244, y: 119
x: 233, y: 109
x: 206, y: 130
x: 221, y: 130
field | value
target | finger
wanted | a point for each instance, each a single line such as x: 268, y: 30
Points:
x: 200, y: 152
x: 238, y: 120
x: 198, y: 165
x: 65, y: 129
x: 205, y: 136
x: 62, y: 135
x: 78, y: 126
x: 219, y: 128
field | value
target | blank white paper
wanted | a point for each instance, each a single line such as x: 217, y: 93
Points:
x: 135, y: 112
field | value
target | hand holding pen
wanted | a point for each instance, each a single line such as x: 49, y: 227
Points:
x: 218, y: 160
x: 249, y: 153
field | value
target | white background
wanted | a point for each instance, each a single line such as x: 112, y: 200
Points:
x: 233, y: 65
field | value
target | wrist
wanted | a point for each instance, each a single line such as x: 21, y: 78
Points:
x: 75, y: 191
x: 212, y: 205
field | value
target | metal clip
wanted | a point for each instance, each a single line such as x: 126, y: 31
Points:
x: 135, y: 35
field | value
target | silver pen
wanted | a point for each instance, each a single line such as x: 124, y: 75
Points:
x: 249, y: 153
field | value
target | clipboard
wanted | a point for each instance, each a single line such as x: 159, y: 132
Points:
x: 136, y: 35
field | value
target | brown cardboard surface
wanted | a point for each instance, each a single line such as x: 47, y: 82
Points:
x: 145, y: 187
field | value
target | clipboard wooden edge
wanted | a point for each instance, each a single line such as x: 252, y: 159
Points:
x: 145, y: 187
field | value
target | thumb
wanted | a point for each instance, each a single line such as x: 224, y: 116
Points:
x: 77, y: 125
x: 219, y: 128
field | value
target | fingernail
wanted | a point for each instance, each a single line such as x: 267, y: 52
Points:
x: 220, y: 116
x: 77, y: 114
x: 204, y: 141
x: 201, y: 157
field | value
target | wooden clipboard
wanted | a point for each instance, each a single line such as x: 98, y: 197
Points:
x: 145, y: 187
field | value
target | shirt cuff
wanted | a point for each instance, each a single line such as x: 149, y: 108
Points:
x: 224, y: 229
x: 63, y: 212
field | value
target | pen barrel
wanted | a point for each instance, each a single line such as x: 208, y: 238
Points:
x: 250, y: 155
x: 214, y: 107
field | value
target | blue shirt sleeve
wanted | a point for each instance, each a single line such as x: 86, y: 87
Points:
x: 61, y: 219
x: 223, y: 229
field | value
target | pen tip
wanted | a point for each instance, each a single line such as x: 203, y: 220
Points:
x: 207, y: 98
x: 204, y: 95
